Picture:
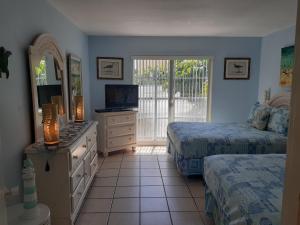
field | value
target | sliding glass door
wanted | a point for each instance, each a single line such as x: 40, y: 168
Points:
x: 170, y: 90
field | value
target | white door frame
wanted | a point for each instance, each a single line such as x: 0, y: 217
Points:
x: 172, y: 58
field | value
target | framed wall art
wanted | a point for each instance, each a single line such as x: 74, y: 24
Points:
x: 237, y: 68
x: 110, y: 68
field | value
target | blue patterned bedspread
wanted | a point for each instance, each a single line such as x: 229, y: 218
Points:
x: 190, y: 142
x: 244, y: 189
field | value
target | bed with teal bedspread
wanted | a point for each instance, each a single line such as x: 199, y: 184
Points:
x: 244, y: 189
x: 190, y: 142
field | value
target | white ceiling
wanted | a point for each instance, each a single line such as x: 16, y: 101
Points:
x: 179, y: 17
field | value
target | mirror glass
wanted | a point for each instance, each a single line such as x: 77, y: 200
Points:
x: 75, y: 81
x: 49, y: 85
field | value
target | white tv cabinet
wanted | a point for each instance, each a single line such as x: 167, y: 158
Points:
x: 116, y: 131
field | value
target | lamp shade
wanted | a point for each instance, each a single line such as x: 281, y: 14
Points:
x: 50, y: 124
x: 59, y: 102
x: 79, y: 108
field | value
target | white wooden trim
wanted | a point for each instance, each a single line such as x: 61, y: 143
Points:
x: 209, y: 97
x: 291, y: 201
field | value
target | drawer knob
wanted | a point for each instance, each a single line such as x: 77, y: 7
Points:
x: 75, y: 156
x: 84, y: 146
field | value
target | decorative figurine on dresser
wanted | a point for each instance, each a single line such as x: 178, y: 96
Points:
x: 64, y: 154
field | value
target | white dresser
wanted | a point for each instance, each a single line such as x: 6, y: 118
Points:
x: 116, y: 131
x: 64, y: 174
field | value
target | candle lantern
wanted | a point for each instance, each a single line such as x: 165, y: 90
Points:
x: 79, y: 108
x: 50, y: 124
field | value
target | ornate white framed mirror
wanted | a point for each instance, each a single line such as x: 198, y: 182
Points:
x: 48, y: 80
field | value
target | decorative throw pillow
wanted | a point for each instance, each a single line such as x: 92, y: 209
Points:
x: 261, y: 117
x: 252, y: 112
x: 279, y: 120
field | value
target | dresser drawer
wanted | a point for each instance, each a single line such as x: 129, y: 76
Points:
x: 94, y: 165
x: 120, y: 141
x: 93, y: 151
x: 122, y: 119
x: 87, y: 168
x: 120, y: 131
x: 76, y: 177
x: 91, y: 138
x: 78, y: 154
x: 78, y: 194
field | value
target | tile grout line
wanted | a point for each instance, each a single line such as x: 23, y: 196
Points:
x: 198, y: 210
x: 141, y: 197
x: 165, y: 193
x: 112, y: 201
x: 140, y: 190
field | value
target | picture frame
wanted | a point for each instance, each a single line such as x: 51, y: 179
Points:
x: 74, y: 69
x: 110, y: 68
x: 237, y: 68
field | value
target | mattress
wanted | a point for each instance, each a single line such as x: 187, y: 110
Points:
x: 244, y: 189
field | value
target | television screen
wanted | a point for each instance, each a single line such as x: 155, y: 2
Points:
x: 121, y: 96
x: 46, y: 91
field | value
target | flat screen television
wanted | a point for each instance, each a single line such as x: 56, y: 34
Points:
x: 121, y: 96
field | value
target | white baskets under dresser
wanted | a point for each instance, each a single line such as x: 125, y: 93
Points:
x: 64, y: 173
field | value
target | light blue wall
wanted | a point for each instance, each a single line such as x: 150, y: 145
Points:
x: 231, y: 99
x: 270, y: 60
x: 20, y: 22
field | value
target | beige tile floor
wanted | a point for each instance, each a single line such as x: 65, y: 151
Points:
x: 143, y: 188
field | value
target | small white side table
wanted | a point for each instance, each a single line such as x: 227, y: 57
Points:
x: 15, y: 215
